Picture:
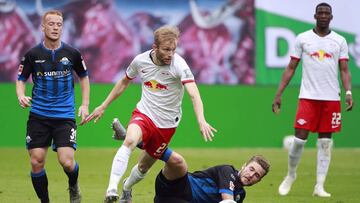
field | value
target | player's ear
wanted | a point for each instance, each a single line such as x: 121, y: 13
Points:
x: 331, y: 17
x: 42, y: 27
x: 154, y: 46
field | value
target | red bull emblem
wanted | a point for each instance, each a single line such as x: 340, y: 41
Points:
x: 148, y: 84
x: 321, y: 55
x: 155, y: 85
x: 161, y: 86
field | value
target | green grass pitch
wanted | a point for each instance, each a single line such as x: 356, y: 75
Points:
x: 343, y: 180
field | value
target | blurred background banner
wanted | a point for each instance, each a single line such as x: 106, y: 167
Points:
x: 278, y: 23
x: 217, y: 37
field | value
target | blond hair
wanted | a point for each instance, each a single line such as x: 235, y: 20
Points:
x: 51, y: 12
x: 265, y: 164
x: 166, y: 33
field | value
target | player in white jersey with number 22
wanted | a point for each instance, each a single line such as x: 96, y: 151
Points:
x: 324, y: 54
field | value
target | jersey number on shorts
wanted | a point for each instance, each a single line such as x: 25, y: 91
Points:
x: 73, y: 134
x: 160, y: 150
x: 336, y: 119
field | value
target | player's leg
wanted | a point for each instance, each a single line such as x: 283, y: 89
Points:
x: 304, y: 122
x: 138, y: 173
x: 295, y: 152
x: 330, y: 122
x: 120, y: 161
x: 38, y: 139
x: 38, y: 174
x: 172, y: 184
x: 324, y: 145
x: 176, y: 167
x: 64, y: 138
x: 71, y: 169
x: 155, y: 145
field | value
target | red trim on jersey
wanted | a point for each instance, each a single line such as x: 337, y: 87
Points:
x: 344, y: 59
x: 128, y: 77
x: 294, y: 57
x: 187, y: 81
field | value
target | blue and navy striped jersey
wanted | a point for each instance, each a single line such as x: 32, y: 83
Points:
x: 207, y: 185
x: 52, y: 73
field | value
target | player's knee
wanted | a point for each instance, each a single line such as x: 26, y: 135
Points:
x: 143, y: 168
x: 37, y: 163
x: 176, y: 160
x: 67, y: 164
x: 130, y: 143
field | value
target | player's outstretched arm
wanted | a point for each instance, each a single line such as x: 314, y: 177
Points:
x: 118, y: 89
x: 206, y: 129
x: 24, y: 101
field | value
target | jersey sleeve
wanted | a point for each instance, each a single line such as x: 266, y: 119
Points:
x: 79, y: 65
x: 132, y: 69
x: 184, y: 71
x: 25, y: 68
x: 344, y: 51
x: 297, y: 50
x: 224, y: 179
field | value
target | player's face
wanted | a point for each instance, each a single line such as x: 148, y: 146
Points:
x: 323, y: 16
x: 165, y: 51
x: 52, y: 27
x: 251, y: 174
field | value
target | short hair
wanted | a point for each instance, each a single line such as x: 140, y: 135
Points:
x: 265, y: 164
x: 51, y: 12
x: 166, y: 33
x: 323, y: 4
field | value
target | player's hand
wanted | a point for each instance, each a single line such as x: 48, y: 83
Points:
x: 24, y: 101
x: 349, y: 102
x: 83, y: 112
x: 96, y: 114
x: 276, y: 105
x: 207, y: 131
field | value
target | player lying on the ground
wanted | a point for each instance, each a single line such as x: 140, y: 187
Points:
x: 213, y: 185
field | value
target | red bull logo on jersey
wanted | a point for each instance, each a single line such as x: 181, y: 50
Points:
x: 321, y: 55
x: 155, y: 85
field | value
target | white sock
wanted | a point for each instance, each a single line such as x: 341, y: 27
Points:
x: 323, y: 160
x: 119, y: 166
x: 295, y: 152
x: 135, y: 177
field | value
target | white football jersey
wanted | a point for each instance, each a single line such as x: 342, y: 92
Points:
x: 320, y: 66
x: 162, y: 88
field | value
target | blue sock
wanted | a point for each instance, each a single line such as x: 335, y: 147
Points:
x: 73, y: 175
x: 40, y: 184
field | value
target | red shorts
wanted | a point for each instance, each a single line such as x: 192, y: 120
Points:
x: 155, y: 140
x: 318, y: 116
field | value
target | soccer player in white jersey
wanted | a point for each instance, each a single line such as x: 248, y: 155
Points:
x: 163, y: 74
x: 324, y: 53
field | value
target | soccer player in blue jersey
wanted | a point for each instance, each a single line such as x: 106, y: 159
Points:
x: 218, y: 183
x: 52, y: 64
